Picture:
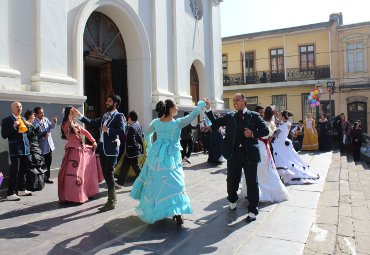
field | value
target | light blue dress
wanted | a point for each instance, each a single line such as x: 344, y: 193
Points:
x: 160, y: 187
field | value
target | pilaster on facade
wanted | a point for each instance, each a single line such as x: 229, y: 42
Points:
x: 9, y: 77
x: 51, y: 49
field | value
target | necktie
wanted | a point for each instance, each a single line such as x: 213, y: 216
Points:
x: 240, y: 115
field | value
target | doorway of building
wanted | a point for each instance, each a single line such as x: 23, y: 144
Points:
x: 194, y: 84
x: 357, y: 111
x: 105, y: 66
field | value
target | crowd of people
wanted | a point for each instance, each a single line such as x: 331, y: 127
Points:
x: 256, y: 145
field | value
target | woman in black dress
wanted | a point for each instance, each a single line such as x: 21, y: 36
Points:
x: 356, y: 135
x: 324, y: 133
x: 36, y: 162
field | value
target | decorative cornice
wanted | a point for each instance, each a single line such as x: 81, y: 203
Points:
x: 31, y: 96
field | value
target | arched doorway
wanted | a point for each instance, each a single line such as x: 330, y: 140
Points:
x: 358, y: 111
x: 194, y: 84
x: 105, y: 68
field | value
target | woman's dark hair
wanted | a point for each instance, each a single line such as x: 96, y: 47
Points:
x: 28, y: 114
x: 65, y: 118
x: 133, y: 115
x: 163, y: 108
x: 286, y: 114
x: 269, y: 112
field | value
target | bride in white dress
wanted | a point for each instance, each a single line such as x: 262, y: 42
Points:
x: 271, y: 189
x: 290, y: 166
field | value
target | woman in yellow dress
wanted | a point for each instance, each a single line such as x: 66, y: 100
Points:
x: 310, y: 139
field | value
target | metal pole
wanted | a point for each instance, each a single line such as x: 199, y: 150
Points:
x: 330, y: 108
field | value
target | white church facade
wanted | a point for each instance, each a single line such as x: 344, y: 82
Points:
x: 75, y: 52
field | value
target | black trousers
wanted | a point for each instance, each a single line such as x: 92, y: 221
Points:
x: 127, y: 163
x: 48, y: 158
x: 187, y: 148
x: 235, y: 164
x: 356, y: 151
x: 107, y: 163
x: 17, y: 174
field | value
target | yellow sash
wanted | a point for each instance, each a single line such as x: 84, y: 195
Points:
x: 22, y: 127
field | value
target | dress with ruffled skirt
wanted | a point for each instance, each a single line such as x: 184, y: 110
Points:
x: 160, y: 187
x: 291, y: 168
x: 271, y: 188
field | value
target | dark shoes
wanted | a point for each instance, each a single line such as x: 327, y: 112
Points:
x: 49, y: 181
x: 251, y: 217
x: 111, y: 203
x: 178, y: 219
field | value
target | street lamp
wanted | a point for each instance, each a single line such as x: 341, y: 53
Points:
x: 330, y: 87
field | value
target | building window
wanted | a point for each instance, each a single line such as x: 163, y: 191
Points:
x: 306, y: 108
x: 279, y: 102
x: 226, y: 103
x: 224, y: 64
x: 307, y: 56
x: 249, y: 62
x: 277, y: 59
x: 252, y: 102
x: 355, y: 57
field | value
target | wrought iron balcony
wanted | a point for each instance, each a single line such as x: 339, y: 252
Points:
x: 293, y: 74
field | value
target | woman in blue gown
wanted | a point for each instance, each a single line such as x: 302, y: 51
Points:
x: 160, y: 187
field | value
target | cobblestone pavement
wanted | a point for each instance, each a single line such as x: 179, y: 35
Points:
x: 342, y: 224
x: 40, y: 225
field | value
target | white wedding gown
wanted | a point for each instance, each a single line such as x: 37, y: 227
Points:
x: 271, y: 189
x: 290, y: 166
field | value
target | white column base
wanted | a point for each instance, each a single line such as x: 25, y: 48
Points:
x: 158, y: 95
x: 217, y: 104
x: 184, y: 100
x: 10, y: 79
x: 54, y: 84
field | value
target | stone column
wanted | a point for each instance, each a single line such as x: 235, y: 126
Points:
x: 9, y: 78
x: 213, y: 48
x: 51, y: 49
x: 160, y: 45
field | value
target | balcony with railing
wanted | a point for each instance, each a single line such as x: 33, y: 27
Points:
x: 293, y: 74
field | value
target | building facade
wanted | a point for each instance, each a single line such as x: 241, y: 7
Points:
x: 281, y: 67
x: 278, y: 67
x: 56, y: 53
x: 350, y: 60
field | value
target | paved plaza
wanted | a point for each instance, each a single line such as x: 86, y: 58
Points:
x: 330, y: 217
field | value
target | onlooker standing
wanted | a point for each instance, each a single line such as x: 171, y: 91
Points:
x: 134, y: 148
x: 324, y: 133
x: 356, y: 135
x: 187, y: 142
x: 45, y: 140
x: 14, y: 128
x: 343, y: 131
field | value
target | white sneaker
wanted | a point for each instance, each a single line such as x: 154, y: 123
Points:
x: 233, y: 205
x: 187, y: 159
x: 13, y: 197
x: 24, y: 193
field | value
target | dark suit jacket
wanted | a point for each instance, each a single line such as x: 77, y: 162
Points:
x: 18, y: 143
x: 252, y: 121
x: 116, y: 126
x: 134, y: 140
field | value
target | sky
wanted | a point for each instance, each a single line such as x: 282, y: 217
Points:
x: 248, y: 16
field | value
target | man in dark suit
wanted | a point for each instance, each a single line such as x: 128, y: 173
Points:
x: 111, y: 125
x: 187, y: 142
x: 14, y: 128
x: 134, y: 148
x: 240, y: 148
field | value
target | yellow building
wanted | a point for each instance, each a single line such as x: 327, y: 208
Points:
x: 350, y: 60
x: 279, y: 67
